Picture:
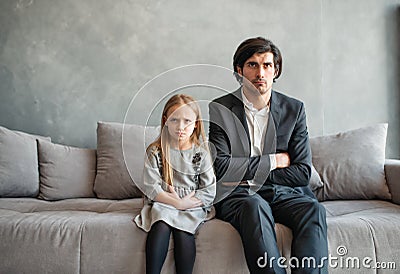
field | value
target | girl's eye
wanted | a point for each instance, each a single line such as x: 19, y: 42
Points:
x: 187, y: 121
x: 173, y: 120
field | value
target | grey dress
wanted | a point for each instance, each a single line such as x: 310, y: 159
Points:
x: 192, y: 171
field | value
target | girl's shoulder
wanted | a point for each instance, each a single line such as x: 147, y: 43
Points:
x: 202, y: 149
x: 153, y: 151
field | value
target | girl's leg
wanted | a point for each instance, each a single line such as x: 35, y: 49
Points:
x: 157, y: 247
x: 184, y: 251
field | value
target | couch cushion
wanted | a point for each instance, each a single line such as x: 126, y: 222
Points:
x: 118, y: 147
x: 19, y: 175
x: 358, y: 208
x: 29, y: 205
x: 65, y: 172
x: 351, y: 164
x: 362, y: 230
x: 315, y: 180
x: 316, y: 184
x: 85, y: 235
x: 45, y: 242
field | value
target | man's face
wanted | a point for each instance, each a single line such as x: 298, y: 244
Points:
x: 260, y: 71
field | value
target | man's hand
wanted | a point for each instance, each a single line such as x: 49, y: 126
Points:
x: 282, y: 160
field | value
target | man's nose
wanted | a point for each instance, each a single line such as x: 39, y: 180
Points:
x: 260, y: 72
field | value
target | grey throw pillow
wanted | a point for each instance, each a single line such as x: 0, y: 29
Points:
x: 65, y: 172
x: 120, y: 159
x: 351, y: 164
x: 19, y: 175
x: 315, y: 180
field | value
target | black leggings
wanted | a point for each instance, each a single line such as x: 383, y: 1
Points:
x: 157, y: 247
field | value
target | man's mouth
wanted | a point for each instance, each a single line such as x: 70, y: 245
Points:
x: 259, y: 82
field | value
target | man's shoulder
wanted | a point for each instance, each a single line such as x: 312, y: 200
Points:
x: 281, y: 98
x: 228, y: 99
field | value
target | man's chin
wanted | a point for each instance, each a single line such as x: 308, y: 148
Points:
x: 262, y: 90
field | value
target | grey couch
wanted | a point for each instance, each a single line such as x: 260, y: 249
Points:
x: 70, y: 210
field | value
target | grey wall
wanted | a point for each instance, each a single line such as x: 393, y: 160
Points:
x: 64, y: 65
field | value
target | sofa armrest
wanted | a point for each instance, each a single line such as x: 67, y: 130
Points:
x: 392, y: 172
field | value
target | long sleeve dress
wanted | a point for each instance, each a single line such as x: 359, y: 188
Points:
x: 192, y: 171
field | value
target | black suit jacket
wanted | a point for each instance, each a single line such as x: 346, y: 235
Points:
x: 286, y: 132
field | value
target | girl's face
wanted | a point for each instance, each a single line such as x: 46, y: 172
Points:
x: 181, y: 122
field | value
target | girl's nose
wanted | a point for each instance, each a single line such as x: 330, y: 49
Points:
x: 181, y: 125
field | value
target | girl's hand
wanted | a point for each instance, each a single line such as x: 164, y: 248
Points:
x: 189, y: 201
x: 170, y: 197
x: 173, y: 193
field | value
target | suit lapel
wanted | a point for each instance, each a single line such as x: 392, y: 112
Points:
x: 237, y: 109
x: 273, y: 123
x: 275, y: 109
x: 240, y: 119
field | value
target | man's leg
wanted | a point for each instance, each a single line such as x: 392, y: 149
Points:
x: 306, y: 217
x: 252, y: 217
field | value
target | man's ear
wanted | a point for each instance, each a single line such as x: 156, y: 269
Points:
x: 239, y: 70
x: 276, y: 72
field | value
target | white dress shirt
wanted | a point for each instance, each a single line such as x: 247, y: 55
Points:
x: 257, y: 121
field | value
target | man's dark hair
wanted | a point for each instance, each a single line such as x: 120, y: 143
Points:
x: 256, y: 45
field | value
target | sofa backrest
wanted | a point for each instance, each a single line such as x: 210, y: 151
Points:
x: 348, y: 165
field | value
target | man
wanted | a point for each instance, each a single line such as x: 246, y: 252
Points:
x: 261, y: 143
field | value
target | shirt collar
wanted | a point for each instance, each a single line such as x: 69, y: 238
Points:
x: 250, y: 107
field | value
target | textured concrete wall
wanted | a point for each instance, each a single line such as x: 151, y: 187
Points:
x: 64, y: 65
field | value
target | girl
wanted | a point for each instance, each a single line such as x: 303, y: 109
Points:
x: 179, y: 184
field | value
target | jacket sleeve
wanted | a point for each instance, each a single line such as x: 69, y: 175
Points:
x: 229, y: 166
x: 207, y: 181
x: 152, y: 178
x: 299, y: 172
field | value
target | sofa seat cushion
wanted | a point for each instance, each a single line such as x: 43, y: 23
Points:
x: 360, y: 208
x: 98, y: 236
x: 27, y: 205
x: 70, y: 241
x: 362, y: 230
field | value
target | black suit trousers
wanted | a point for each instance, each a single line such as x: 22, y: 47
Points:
x: 254, y: 216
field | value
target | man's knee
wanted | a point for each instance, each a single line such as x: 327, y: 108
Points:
x: 317, y: 208
x: 317, y: 212
x: 256, y: 207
